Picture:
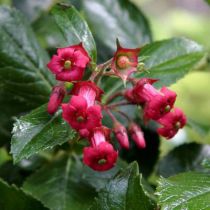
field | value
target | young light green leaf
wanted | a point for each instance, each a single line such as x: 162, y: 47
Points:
x: 13, y: 198
x: 60, y: 185
x: 125, y: 191
x: 184, y: 191
x: 74, y: 28
x: 184, y: 158
x: 117, y: 19
x: 22, y: 61
x: 38, y: 131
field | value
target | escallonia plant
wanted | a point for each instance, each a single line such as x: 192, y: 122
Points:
x: 91, y: 113
x: 84, y: 109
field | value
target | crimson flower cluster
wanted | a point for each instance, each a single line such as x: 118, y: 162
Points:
x: 84, y: 110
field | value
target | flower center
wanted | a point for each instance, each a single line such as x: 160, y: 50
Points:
x: 80, y: 119
x: 101, y: 161
x: 67, y: 64
x: 167, y: 108
x: 177, y: 125
x: 123, y: 62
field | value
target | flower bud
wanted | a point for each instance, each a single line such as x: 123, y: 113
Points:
x: 121, y: 134
x: 137, y: 135
x: 56, y: 99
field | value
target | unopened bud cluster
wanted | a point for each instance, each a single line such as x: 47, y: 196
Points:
x: 84, y: 109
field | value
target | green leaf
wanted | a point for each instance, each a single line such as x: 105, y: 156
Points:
x: 8, y: 111
x: 170, y: 60
x: 125, y: 191
x: 184, y: 158
x: 49, y: 37
x: 117, y: 19
x: 186, y: 191
x: 32, y: 9
x: 22, y: 61
x: 206, y: 163
x: 74, y: 28
x: 14, y: 198
x: 38, y: 131
x: 60, y: 185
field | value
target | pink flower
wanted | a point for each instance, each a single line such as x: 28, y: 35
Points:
x: 159, y: 104
x: 137, y: 135
x: 87, y: 90
x: 121, y: 134
x: 80, y: 116
x: 56, y: 99
x: 144, y: 91
x: 100, y: 156
x: 125, y: 61
x: 171, y: 123
x: 69, y: 63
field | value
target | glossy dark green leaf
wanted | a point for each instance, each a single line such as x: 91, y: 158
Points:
x: 74, y: 28
x: 38, y: 131
x: 60, y: 185
x: 32, y: 9
x: 13, y: 198
x: 186, y: 157
x: 117, y: 19
x: 22, y: 61
x: 170, y: 60
x: 10, y: 107
x: 98, y: 179
x: 49, y: 37
x: 186, y: 191
x: 125, y: 191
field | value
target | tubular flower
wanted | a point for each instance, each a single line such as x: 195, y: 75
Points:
x: 69, y: 63
x: 56, y: 99
x: 137, y: 135
x: 125, y: 61
x: 87, y: 90
x: 80, y: 116
x: 144, y: 91
x: 171, y: 123
x: 121, y: 134
x: 100, y: 156
x: 159, y: 104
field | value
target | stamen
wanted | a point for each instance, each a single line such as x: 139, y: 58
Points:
x: 67, y: 64
x: 101, y: 161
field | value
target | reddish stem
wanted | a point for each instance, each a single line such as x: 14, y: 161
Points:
x: 113, y: 96
x: 121, y: 103
x: 111, y: 115
x: 124, y: 115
